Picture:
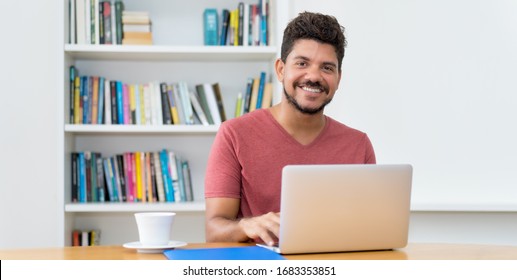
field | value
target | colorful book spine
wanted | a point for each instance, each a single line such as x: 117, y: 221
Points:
x: 120, y: 102
x: 261, y: 90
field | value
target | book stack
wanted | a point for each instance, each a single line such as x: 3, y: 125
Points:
x: 157, y: 176
x: 245, y: 25
x: 136, y: 26
x: 98, y: 100
x: 258, y: 95
x: 86, y: 237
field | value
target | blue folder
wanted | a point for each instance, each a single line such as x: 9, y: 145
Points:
x: 227, y: 253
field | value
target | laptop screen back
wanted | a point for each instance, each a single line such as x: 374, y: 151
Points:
x: 329, y: 208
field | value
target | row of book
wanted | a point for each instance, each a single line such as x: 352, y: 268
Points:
x: 106, y: 22
x: 86, y: 237
x: 159, y: 176
x: 258, y: 95
x: 246, y: 25
x: 97, y: 100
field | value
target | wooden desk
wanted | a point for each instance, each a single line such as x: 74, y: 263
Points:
x: 411, y: 252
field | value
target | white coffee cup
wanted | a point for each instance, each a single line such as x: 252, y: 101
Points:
x: 154, y: 228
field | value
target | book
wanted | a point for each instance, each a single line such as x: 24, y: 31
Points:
x: 247, y: 96
x: 204, y: 103
x: 138, y: 172
x: 212, y: 103
x: 254, y: 95
x: 84, y: 99
x: 260, y: 94
x: 100, y: 21
x: 186, y: 105
x: 198, y: 110
x: 122, y: 177
x: 108, y: 175
x: 100, y: 178
x: 172, y: 104
x: 148, y: 176
x: 178, y: 103
x: 114, y: 103
x: 95, y: 99
x: 238, y: 106
x: 72, y: 75
x: 82, y: 178
x: 76, y: 237
x: 128, y: 173
x: 264, y: 15
x: 101, y: 99
x: 117, y: 186
x: 135, y: 17
x: 157, y: 110
x: 240, y: 25
x: 71, y: 22
x: 246, y: 25
x: 107, y: 102
x: 159, y: 177
x: 210, y: 27
x: 93, y: 177
x: 120, y: 102
x: 119, y: 7
x: 125, y: 103
x: 106, y: 19
x: 225, y: 22
x: 189, y: 195
x: 131, y: 27
x: 180, y: 187
x: 268, y: 95
x: 219, y: 100
x: 75, y: 177
x: 166, y: 109
x: 154, y: 183
x: 77, y: 101
x: 167, y: 178
x: 137, y: 38
x: 80, y: 19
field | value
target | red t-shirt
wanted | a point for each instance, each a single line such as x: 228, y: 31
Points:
x: 249, y: 152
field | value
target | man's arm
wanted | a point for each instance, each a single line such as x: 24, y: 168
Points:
x: 222, y: 224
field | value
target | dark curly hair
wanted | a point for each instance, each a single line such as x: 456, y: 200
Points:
x: 315, y: 26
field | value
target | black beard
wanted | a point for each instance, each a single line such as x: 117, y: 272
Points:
x: 308, y: 111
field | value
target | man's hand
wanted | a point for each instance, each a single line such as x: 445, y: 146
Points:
x: 265, y: 227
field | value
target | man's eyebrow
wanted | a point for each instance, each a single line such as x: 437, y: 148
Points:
x: 331, y: 63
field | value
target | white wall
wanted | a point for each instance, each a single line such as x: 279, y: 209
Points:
x: 29, y: 132
x: 430, y: 81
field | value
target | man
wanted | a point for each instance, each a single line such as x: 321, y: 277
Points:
x: 242, y: 184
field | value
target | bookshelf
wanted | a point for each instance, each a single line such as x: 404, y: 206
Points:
x: 177, y: 54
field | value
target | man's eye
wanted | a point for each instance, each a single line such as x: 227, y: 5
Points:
x: 328, y: 68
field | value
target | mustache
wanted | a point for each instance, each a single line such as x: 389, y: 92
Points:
x: 324, y: 88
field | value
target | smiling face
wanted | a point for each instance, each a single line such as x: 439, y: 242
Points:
x: 310, y: 75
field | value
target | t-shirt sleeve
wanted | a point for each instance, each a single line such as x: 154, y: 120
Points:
x: 369, y: 151
x: 222, y: 177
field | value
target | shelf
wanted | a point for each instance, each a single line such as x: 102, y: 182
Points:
x: 116, y: 129
x: 135, y: 207
x: 464, y: 207
x: 175, y: 53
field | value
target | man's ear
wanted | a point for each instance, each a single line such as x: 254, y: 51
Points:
x: 279, y: 69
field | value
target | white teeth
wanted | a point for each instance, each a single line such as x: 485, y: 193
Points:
x: 316, y: 90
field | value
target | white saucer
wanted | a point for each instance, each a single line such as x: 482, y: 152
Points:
x: 153, y: 248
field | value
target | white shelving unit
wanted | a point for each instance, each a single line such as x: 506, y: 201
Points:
x: 177, y: 54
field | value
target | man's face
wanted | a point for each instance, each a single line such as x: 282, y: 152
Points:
x: 310, y: 75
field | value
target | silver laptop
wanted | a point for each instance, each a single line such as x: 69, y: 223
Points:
x: 335, y: 208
